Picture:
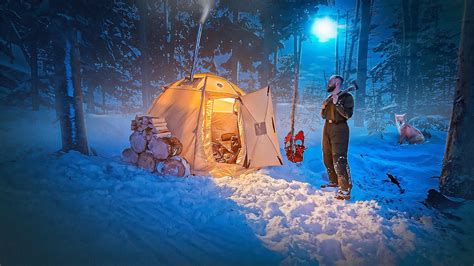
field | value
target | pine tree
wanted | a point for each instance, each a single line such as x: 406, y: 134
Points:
x: 362, y: 62
x: 457, y: 174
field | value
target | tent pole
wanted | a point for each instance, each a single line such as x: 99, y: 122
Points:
x: 198, y: 122
x: 297, y: 58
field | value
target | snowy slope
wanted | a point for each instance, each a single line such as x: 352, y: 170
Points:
x: 73, y: 209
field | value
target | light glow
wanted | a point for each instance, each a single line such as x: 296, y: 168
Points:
x: 325, y: 29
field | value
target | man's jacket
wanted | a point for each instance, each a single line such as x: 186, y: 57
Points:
x: 339, y: 112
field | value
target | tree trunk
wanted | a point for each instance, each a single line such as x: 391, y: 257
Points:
x: 345, y: 45
x: 353, y: 40
x: 69, y: 100
x: 62, y: 109
x: 235, y: 56
x: 34, y: 77
x: 275, y: 61
x: 402, y: 71
x: 144, y: 56
x: 362, y: 63
x: 337, y: 46
x: 90, y: 100
x: 172, y: 37
x: 457, y: 174
x: 104, y: 100
x: 265, y: 73
x: 413, y: 69
x: 81, y: 141
x: 167, y: 21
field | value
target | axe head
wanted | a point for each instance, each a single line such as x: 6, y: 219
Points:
x: 353, y: 86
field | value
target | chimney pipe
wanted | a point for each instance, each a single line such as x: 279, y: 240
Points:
x: 196, y: 52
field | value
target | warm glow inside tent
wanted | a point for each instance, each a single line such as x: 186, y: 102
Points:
x: 205, y: 113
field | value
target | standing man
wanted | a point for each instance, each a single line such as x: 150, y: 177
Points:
x: 337, y: 109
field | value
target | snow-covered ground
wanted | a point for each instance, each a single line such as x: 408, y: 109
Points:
x: 63, y: 209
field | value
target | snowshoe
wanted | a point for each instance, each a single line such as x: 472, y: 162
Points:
x: 343, y: 194
x: 294, y: 147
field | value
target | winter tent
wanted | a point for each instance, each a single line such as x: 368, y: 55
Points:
x: 202, y: 112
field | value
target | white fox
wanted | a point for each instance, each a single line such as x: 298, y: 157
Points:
x: 407, y: 132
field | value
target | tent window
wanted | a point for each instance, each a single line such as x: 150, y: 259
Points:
x: 225, y: 131
x: 260, y: 128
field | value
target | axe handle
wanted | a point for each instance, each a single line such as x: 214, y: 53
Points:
x: 354, y: 87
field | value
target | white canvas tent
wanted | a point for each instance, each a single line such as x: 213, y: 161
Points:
x: 199, y: 112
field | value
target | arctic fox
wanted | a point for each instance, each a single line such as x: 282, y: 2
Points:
x: 407, y: 131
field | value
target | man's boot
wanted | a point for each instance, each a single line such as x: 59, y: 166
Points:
x: 343, y: 178
x: 329, y: 184
x: 344, y: 190
x: 332, y: 176
x: 343, y: 194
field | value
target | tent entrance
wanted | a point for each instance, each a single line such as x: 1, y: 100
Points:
x: 225, y: 137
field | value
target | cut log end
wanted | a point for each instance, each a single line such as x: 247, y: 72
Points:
x: 164, y: 148
x: 174, y: 166
x: 138, y: 142
x: 146, y: 161
x: 129, y: 156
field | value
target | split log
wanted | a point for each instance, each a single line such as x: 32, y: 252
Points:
x: 148, y: 138
x: 158, y: 128
x: 164, y: 148
x: 176, y: 145
x: 174, y: 166
x: 146, y: 161
x: 156, y: 120
x: 162, y: 135
x: 129, y: 156
x: 138, y: 142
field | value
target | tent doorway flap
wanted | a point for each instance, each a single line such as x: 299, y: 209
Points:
x: 225, y: 137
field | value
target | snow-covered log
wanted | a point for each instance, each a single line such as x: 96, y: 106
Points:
x: 164, y: 148
x: 138, y: 142
x: 129, y: 156
x: 150, y: 125
x: 146, y: 161
x: 152, y: 145
x: 174, y: 166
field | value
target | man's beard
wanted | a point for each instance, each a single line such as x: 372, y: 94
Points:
x: 331, y: 88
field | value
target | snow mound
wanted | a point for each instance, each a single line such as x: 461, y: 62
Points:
x: 310, y: 225
x: 67, y: 208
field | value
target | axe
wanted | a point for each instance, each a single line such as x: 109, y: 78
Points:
x: 353, y: 87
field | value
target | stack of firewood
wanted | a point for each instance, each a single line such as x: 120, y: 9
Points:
x: 153, y: 148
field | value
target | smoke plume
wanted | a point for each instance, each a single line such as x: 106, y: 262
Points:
x: 206, y: 8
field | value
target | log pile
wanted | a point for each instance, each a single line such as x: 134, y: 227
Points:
x: 227, y: 149
x: 153, y: 148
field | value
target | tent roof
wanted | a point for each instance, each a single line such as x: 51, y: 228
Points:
x: 214, y: 84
